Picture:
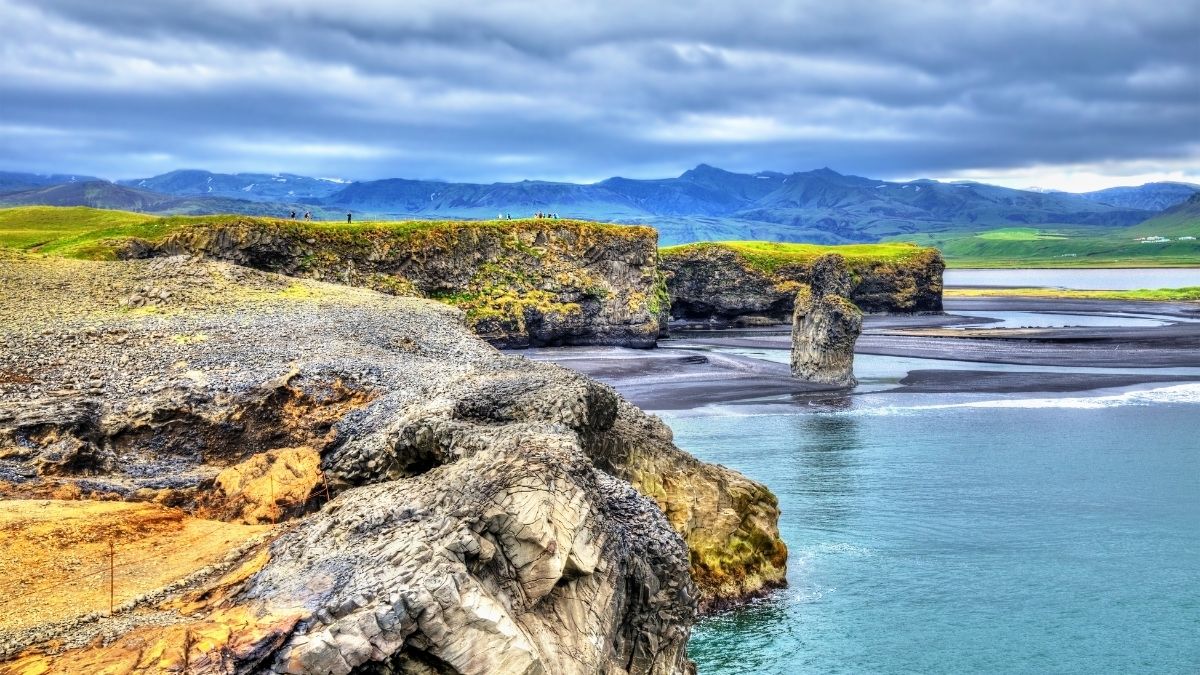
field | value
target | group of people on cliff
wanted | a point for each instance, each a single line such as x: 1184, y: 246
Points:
x: 503, y: 216
x: 539, y: 215
x: 308, y: 216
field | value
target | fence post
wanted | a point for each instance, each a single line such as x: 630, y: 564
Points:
x: 112, y: 575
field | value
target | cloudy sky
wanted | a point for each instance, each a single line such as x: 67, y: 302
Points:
x: 1056, y: 93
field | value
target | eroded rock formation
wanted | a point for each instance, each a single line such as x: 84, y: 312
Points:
x: 521, y: 283
x: 445, y: 508
x: 825, y: 325
x: 713, y: 282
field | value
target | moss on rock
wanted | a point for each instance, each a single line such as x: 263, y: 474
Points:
x: 758, y: 281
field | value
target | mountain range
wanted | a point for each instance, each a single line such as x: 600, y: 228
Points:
x: 1151, y: 196
x: 821, y: 206
x: 15, y: 182
x: 102, y: 194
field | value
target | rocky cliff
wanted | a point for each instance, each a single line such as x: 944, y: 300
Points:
x: 301, y: 477
x: 825, y: 325
x: 757, y: 282
x: 521, y: 283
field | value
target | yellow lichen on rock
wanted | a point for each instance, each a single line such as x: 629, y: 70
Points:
x: 729, y: 522
x: 268, y: 486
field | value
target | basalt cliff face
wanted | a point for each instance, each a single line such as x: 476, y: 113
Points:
x: 715, y: 282
x: 521, y: 283
x: 301, y: 477
x: 825, y: 326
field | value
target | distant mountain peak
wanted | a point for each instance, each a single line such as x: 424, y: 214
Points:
x: 1150, y: 196
x: 703, y: 170
x: 824, y: 172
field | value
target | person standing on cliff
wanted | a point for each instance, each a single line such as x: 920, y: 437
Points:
x: 348, y: 217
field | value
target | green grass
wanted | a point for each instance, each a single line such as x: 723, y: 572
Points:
x: 1019, y: 234
x: 97, y: 234
x: 1186, y: 294
x: 1065, y: 246
x: 81, y: 232
x: 1181, y: 221
x: 36, y: 227
x: 769, y: 256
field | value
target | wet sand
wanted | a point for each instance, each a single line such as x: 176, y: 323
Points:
x: 685, y: 371
x: 1170, y: 346
x: 997, y: 382
x: 674, y: 378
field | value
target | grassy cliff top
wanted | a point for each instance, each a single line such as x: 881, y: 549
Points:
x: 769, y: 256
x: 1185, y: 294
x: 87, y: 233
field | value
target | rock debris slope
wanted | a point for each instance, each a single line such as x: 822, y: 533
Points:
x: 442, y: 507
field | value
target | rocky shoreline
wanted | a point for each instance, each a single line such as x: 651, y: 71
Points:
x: 725, y: 367
x: 375, y: 488
x: 432, y: 503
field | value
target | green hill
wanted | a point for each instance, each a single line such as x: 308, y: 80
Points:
x: 1066, y: 246
x: 47, y: 228
x: 1182, y: 220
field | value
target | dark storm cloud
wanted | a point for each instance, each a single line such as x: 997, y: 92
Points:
x: 505, y: 90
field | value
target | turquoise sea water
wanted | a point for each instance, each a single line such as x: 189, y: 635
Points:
x: 931, y: 534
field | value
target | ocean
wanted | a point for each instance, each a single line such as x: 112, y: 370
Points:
x: 968, y: 533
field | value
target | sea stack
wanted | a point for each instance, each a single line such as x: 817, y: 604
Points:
x: 825, y: 326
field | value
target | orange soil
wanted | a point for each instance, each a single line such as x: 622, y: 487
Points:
x: 237, y: 634
x: 54, y: 562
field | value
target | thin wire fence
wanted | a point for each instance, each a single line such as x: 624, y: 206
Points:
x: 10, y: 595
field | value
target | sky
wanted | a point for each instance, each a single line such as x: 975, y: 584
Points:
x: 1066, y: 94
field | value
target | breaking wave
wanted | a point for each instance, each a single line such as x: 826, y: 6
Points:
x: 1177, y: 394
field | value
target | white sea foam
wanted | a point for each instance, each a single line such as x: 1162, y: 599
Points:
x: 1178, y: 394
x: 842, y: 548
x: 1182, y: 393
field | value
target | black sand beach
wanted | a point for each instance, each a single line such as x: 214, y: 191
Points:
x: 689, y: 369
